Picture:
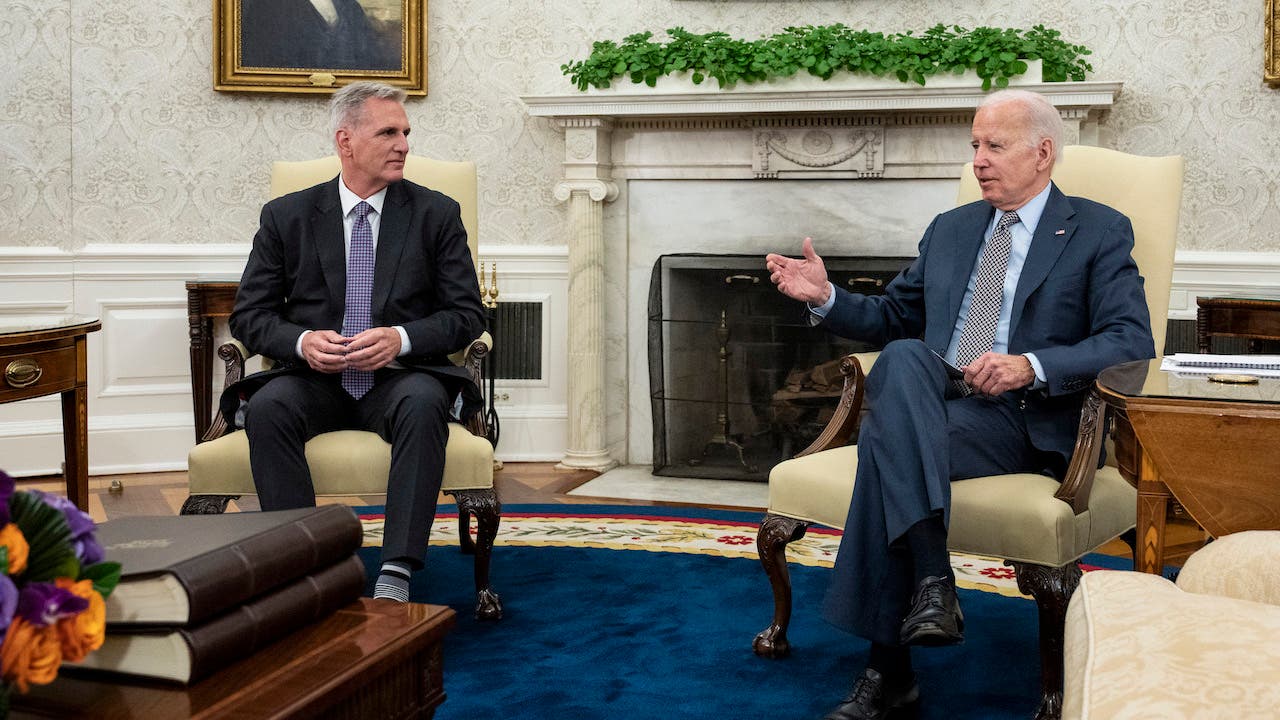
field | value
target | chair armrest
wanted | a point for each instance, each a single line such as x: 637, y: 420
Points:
x: 1243, y: 565
x: 233, y: 354
x: 471, y: 357
x: 844, y: 423
x: 1078, y: 482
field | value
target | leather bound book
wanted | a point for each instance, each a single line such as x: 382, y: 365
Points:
x: 187, y: 654
x: 183, y: 570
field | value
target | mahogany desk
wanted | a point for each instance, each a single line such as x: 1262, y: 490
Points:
x: 1215, y: 447
x: 46, y: 354
x: 206, y: 300
x: 373, y: 659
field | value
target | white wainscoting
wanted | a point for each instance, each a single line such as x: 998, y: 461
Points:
x: 139, y: 373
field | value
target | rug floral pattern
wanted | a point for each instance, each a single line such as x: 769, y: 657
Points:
x: 656, y: 533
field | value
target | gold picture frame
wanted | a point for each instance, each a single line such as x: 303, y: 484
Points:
x: 1271, y: 61
x: 317, y: 46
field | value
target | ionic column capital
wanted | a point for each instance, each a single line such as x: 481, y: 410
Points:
x: 597, y: 190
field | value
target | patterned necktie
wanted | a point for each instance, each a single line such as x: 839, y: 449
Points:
x: 979, y: 331
x: 359, y: 293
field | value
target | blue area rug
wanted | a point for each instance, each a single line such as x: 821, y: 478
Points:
x: 595, y: 632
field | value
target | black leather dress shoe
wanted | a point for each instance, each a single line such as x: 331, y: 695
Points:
x: 935, y: 617
x: 872, y: 697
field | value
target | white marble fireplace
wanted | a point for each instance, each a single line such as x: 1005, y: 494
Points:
x: 862, y: 170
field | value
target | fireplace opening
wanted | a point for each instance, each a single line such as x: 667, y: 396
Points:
x: 738, y: 380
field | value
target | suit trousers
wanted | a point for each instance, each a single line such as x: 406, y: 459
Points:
x: 919, y: 435
x: 409, y: 410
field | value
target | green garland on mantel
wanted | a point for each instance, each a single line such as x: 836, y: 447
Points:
x: 996, y: 54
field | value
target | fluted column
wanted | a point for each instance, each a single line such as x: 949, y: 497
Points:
x: 587, y: 187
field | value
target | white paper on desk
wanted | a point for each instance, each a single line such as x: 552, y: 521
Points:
x: 1205, y: 364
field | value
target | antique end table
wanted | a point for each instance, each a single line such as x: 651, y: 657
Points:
x: 1213, y: 446
x: 46, y: 354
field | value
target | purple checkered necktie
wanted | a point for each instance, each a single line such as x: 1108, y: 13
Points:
x: 359, y: 292
x: 979, y: 331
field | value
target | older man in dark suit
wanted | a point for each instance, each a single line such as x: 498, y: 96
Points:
x: 360, y: 287
x: 1032, y: 294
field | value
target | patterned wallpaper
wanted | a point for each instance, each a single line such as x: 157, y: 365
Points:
x: 113, y: 134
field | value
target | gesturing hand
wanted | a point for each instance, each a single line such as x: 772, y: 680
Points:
x: 803, y: 279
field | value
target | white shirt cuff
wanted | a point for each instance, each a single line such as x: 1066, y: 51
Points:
x: 1041, y: 380
x: 405, y: 347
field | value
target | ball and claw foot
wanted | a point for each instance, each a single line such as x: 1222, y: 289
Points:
x: 488, y: 605
x: 771, y: 643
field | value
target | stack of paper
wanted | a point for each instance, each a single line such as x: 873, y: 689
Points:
x: 1208, y: 364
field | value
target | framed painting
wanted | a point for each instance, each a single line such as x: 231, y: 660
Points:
x: 1271, y: 67
x: 317, y: 46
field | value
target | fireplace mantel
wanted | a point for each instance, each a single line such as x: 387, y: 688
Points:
x: 895, y: 97
x: 881, y: 131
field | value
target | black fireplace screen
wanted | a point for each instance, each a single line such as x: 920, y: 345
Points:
x: 738, y: 381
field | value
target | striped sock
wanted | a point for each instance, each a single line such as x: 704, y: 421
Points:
x: 393, y: 582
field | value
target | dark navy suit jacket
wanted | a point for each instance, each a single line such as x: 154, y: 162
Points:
x: 1079, y: 304
x: 296, y: 280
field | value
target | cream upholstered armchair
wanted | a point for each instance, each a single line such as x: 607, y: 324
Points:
x: 352, y: 462
x: 1139, y: 646
x: 1035, y: 523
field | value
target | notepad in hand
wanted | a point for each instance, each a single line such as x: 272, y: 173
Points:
x: 952, y: 371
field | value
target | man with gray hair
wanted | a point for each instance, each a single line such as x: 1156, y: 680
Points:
x: 359, y: 288
x: 1030, y: 294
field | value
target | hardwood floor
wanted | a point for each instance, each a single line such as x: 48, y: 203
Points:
x: 162, y: 493
x: 517, y: 483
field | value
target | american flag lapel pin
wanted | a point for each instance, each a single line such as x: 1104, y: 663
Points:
x: 1060, y: 232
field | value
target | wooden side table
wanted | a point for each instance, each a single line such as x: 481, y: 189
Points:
x: 206, y: 300
x: 46, y: 354
x: 1255, y: 319
x: 1210, y: 446
x: 372, y: 659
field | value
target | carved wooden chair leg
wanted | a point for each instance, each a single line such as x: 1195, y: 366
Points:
x: 465, y: 543
x: 486, y: 507
x: 206, y: 504
x: 771, y: 542
x: 1052, y: 588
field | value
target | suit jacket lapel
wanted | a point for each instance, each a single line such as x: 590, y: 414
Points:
x: 331, y: 246
x: 971, y: 231
x: 1053, y: 232
x: 393, y: 230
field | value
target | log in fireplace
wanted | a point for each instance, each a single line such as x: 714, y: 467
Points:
x: 738, y: 380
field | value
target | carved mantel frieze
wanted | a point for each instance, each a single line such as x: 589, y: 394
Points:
x: 798, y: 148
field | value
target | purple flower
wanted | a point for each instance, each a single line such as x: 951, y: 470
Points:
x: 6, y: 491
x: 8, y: 603
x: 43, y: 604
x: 87, y: 549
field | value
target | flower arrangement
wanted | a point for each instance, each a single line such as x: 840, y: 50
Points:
x: 53, y: 583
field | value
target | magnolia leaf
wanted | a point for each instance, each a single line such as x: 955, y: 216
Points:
x: 105, y: 577
x: 48, y: 537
